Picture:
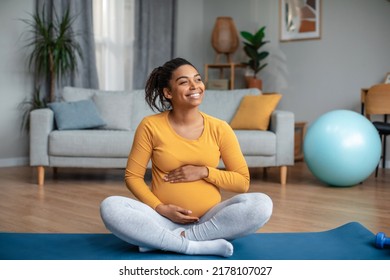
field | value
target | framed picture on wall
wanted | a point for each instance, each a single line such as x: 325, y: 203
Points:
x: 299, y: 20
x: 387, y: 78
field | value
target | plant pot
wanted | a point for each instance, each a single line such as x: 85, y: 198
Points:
x: 252, y: 82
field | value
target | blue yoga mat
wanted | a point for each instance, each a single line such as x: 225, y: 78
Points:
x: 351, y: 241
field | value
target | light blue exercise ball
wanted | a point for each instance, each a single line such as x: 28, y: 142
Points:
x: 342, y: 148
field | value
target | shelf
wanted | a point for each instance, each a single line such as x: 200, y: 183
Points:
x: 221, y: 66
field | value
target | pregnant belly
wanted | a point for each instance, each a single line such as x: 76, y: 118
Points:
x: 197, y: 196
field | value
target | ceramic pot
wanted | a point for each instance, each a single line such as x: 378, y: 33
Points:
x: 252, y: 82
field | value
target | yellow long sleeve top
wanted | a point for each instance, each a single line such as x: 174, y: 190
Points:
x: 155, y: 139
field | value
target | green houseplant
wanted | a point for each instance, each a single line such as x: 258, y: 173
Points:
x: 28, y: 105
x: 53, y: 53
x: 54, y: 47
x: 252, y: 48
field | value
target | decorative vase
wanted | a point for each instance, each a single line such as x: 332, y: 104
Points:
x: 224, y: 37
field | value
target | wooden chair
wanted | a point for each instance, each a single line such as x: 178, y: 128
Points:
x: 377, y: 102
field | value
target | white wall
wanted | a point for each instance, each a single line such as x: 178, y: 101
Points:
x: 15, y: 81
x: 353, y: 52
x: 189, y: 31
x: 314, y: 76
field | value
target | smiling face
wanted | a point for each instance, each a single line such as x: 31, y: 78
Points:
x: 186, y: 87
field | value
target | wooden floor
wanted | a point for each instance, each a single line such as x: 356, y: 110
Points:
x: 69, y: 201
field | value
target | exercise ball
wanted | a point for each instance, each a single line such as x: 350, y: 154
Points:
x: 342, y: 148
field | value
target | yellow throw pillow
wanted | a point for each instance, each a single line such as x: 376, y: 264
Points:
x: 255, y: 111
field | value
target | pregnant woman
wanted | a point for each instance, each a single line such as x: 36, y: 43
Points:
x: 181, y: 211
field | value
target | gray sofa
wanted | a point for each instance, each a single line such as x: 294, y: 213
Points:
x: 108, y: 146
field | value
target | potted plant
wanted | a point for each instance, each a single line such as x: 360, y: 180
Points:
x: 53, y: 53
x: 54, y: 47
x: 252, y: 46
x: 27, y: 106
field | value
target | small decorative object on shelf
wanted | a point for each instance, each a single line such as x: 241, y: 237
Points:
x: 224, y: 38
x: 221, y: 66
x: 220, y: 84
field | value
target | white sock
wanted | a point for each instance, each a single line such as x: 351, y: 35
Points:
x: 219, y: 247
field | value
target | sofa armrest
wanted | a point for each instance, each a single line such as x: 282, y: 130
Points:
x: 41, y: 124
x: 282, y: 124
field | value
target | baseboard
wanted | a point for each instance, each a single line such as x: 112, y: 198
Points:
x: 10, y: 162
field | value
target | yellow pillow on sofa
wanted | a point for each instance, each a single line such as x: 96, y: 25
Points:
x: 255, y: 111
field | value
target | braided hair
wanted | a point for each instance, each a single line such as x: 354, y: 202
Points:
x: 159, y: 79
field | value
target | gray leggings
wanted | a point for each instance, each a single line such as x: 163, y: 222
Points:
x: 140, y: 225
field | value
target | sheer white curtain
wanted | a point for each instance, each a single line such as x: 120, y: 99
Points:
x: 114, y: 38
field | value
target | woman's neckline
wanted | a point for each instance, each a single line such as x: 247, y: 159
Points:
x: 181, y: 136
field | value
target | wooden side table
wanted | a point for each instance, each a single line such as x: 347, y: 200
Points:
x: 221, y: 66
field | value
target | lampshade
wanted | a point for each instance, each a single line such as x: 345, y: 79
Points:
x: 225, y: 37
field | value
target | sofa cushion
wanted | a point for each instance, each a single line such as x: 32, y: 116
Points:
x: 256, y: 142
x: 115, y: 109
x: 140, y: 108
x: 76, y: 94
x: 223, y: 104
x: 255, y: 112
x: 76, y: 115
x: 90, y: 143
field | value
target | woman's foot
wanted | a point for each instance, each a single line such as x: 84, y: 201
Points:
x: 218, y: 247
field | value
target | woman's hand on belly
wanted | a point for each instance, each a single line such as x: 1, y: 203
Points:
x: 176, y: 213
x: 187, y: 173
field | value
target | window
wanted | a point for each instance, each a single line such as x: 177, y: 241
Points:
x: 114, y: 39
